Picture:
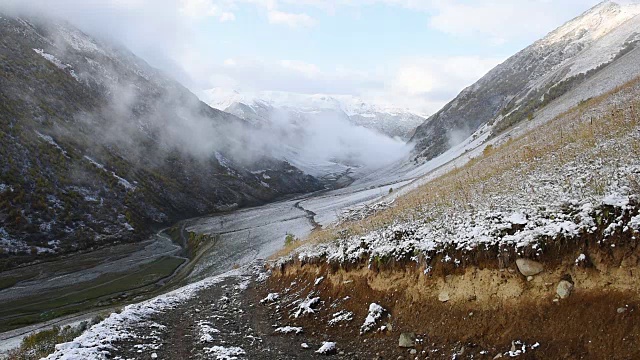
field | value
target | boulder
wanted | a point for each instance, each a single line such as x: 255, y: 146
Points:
x: 443, y: 296
x: 407, y: 340
x: 529, y: 267
x: 564, y: 289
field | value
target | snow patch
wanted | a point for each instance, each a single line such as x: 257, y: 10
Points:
x: 288, y: 330
x: 375, y: 313
x: 327, y: 348
x: 225, y: 353
x: 341, y: 316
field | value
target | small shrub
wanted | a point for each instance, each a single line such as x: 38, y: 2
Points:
x: 290, y: 240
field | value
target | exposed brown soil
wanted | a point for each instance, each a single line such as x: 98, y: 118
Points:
x: 490, y: 306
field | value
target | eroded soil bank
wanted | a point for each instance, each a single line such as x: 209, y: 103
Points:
x: 483, y: 309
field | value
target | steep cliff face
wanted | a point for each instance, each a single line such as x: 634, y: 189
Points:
x: 534, y: 77
x: 96, y: 146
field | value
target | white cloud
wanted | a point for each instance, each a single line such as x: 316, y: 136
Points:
x: 199, y: 9
x: 309, y: 70
x: 501, y: 21
x: 290, y: 19
x: 227, y: 16
x: 425, y: 84
x: 165, y: 33
x: 495, y: 21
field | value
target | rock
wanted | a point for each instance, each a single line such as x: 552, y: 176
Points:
x: 461, y: 351
x: 622, y: 310
x: 529, y: 278
x: 407, y: 340
x: 413, y: 351
x: 327, y: 348
x: 499, y: 356
x: 564, y: 289
x: 529, y: 267
x: 443, y: 296
x: 154, y: 356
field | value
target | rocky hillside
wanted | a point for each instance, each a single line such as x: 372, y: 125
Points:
x: 542, y: 73
x: 262, y: 106
x: 97, y: 147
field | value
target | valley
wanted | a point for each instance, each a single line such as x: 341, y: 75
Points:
x: 315, y: 213
x: 84, y: 283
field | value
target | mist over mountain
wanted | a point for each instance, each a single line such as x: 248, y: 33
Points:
x: 98, y: 146
x: 324, y: 134
x: 388, y: 120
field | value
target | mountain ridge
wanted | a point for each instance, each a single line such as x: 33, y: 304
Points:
x: 544, y: 71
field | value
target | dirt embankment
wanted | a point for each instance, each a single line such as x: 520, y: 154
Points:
x: 485, y: 308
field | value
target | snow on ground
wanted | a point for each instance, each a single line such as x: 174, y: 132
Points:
x: 288, y: 330
x: 225, y: 353
x: 340, y: 316
x: 327, y: 347
x: 329, y: 207
x: 96, y: 343
x: 52, y: 142
x: 306, y: 306
x: 206, y: 331
x: 375, y: 313
x: 272, y: 297
x: 122, y: 181
x: 59, y: 64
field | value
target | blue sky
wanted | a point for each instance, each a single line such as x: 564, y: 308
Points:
x: 416, y: 54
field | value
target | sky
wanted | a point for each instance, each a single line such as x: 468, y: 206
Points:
x: 415, y: 54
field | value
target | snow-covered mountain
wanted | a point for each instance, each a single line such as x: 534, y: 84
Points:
x: 602, y: 38
x: 257, y: 106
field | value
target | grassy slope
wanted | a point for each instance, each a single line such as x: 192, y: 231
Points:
x: 504, y: 172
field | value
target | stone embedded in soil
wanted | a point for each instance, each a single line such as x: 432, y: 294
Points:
x: 407, y: 340
x: 621, y: 310
x: 529, y: 267
x: 327, y: 348
x: 564, y: 289
x: 443, y: 296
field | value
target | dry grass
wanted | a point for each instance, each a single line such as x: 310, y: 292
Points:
x: 501, y: 169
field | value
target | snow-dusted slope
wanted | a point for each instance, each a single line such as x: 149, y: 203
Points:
x: 389, y: 120
x: 536, y: 76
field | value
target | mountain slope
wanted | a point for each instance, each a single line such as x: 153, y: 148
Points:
x: 393, y: 122
x: 97, y: 146
x: 536, y: 76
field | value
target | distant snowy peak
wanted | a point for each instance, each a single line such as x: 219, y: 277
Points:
x: 221, y: 99
x: 389, y: 120
x: 595, y: 23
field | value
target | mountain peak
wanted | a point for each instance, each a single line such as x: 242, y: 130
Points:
x: 595, y: 22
